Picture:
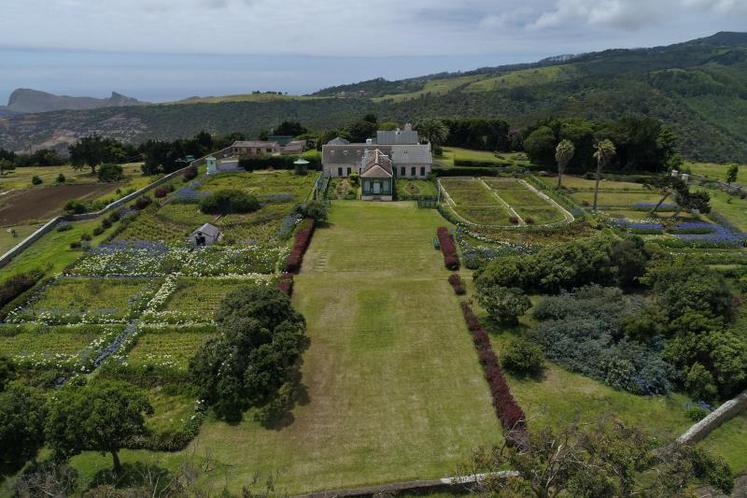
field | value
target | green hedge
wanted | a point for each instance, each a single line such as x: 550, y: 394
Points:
x: 277, y: 162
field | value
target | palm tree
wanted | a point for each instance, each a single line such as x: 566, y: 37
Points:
x: 433, y: 130
x: 563, y: 155
x: 604, y: 152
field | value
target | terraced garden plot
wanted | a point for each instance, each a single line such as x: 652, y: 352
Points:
x: 264, y: 183
x: 409, y: 188
x: 149, y: 226
x: 531, y: 207
x: 72, y: 300
x: 167, y: 347
x: 196, y: 299
x: 475, y: 202
x: 39, y: 346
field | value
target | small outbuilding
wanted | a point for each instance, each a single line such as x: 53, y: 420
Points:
x: 206, y: 235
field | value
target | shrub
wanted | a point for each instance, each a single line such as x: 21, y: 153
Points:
x: 229, y: 201
x: 60, y: 178
x: 35, y: 180
x: 503, y: 304
x: 74, y: 206
x: 514, y: 220
x: 98, y: 231
x: 313, y: 209
x: 75, y: 245
x: 285, y: 284
x: 110, y: 173
x: 143, y: 202
x: 523, y: 357
x: 448, y: 249
x: 64, y: 227
x: 456, y: 283
x: 529, y: 220
x: 301, y: 242
x: 106, y: 223
x: 190, y: 173
x: 86, y: 237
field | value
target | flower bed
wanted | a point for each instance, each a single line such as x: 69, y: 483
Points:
x: 448, y: 249
x: 507, y: 410
x: 300, y: 244
x: 640, y: 227
x: 456, y: 283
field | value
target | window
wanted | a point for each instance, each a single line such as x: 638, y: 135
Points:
x: 339, y: 171
x: 413, y: 171
x: 422, y: 171
x: 350, y: 170
x: 402, y: 171
x: 268, y: 150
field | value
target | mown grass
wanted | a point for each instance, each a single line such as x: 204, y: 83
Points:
x: 394, y: 389
x: 20, y: 178
x: 714, y: 171
x: 8, y: 241
x: 730, y: 441
x: 731, y: 207
x: 580, y: 183
x: 456, y: 153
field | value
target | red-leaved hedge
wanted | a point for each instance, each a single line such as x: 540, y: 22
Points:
x: 448, y: 248
x: 506, y: 408
x: 285, y: 284
x: 300, y: 244
x: 456, y: 283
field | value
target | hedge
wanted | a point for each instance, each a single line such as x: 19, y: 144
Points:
x: 507, y: 410
x: 480, y: 171
x: 481, y: 164
x: 285, y: 284
x: 448, y: 248
x: 277, y: 162
x: 456, y: 282
x: 301, y: 243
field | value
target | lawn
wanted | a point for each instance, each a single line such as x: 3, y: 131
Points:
x: 731, y: 207
x: 394, y: 387
x: 730, y: 441
x: 8, y: 241
x: 450, y: 154
x: 20, y: 178
x: 475, y: 202
x: 414, y: 188
x: 714, y: 171
x: 621, y: 199
x: 579, y: 183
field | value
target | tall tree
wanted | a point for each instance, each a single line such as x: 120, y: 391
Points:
x: 563, y: 155
x: 95, y: 150
x: 22, y: 412
x: 732, y: 173
x: 101, y: 416
x: 433, y: 130
x: 604, y: 152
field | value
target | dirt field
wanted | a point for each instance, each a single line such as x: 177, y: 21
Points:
x: 21, y: 206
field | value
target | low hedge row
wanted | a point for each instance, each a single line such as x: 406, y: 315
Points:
x: 301, y: 243
x: 448, y: 248
x: 457, y: 284
x: 470, y: 163
x: 285, y: 284
x: 277, y: 162
x: 506, y: 408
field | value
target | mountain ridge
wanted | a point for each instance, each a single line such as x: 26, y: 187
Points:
x: 698, y: 87
x: 27, y: 100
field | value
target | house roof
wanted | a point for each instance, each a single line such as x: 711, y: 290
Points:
x: 208, y: 229
x: 338, y: 141
x: 411, y: 154
x: 254, y: 143
x: 408, y: 136
x: 376, y: 164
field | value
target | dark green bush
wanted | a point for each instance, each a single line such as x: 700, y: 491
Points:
x: 110, y: 173
x: 229, y: 201
x: 75, y: 206
x: 36, y: 180
x: 523, y: 357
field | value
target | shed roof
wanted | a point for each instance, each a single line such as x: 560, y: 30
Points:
x: 338, y: 141
x: 208, y: 229
x: 254, y: 143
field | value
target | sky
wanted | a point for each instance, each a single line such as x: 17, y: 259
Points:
x: 161, y: 50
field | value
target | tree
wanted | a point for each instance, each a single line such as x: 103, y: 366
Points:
x: 289, y: 128
x: 360, y: 131
x: 22, y: 414
x: 732, y: 173
x: 229, y: 201
x: 540, y: 146
x: 563, y: 155
x: 257, y: 353
x: 101, y: 416
x: 604, y: 152
x: 95, y: 150
x: 433, y: 130
x: 6, y: 165
x: 110, y: 173
x: 503, y: 304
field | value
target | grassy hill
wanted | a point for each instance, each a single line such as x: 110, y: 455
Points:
x: 699, y: 87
